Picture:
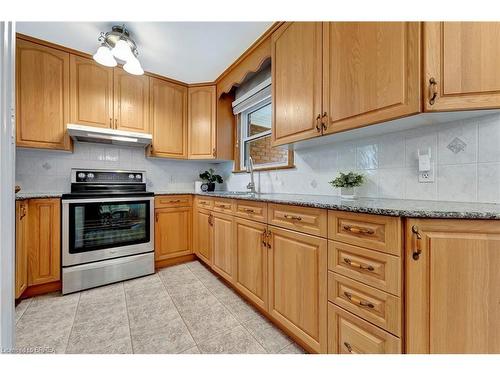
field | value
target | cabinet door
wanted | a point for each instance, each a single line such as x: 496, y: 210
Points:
x: 172, y: 232
x: 91, y: 87
x: 296, y: 50
x: 251, y: 260
x: 223, y: 247
x: 297, y: 285
x: 42, y: 96
x: 202, y: 122
x: 453, y: 286
x: 203, y: 235
x: 21, y: 247
x: 131, y: 101
x: 168, y: 119
x: 463, y: 59
x: 44, y: 245
x: 371, y: 73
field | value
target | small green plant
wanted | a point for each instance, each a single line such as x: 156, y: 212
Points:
x: 210, y: 176
x: 348, y: 180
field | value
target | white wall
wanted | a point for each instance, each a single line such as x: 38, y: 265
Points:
x: 390, y: 164
x: 49, y: 171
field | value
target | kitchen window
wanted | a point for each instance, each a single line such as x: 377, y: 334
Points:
x: 254, y: 119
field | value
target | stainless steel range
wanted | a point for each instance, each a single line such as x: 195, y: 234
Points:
x: 107, y: 228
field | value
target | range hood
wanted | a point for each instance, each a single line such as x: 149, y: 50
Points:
x: 83, y: 133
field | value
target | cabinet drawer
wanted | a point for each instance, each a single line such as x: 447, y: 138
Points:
x: 165, y: 201
x: 303, y: 219
x: 223, y: 205
x: 348, y: 334
x: 379, y: 308
x: 207, y: 203
x: 376, y: 269
x: 251, y: 210
x: 382, y: 233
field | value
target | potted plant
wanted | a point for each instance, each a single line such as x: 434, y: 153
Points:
x: 347, y: 182
x: 210, y: 179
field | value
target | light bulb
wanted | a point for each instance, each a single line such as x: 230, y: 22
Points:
x: 122, y: 51
x: 104, y: 57
x: 133, y: 66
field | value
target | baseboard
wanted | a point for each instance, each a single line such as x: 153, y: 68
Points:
x: 173, y: 261
x: 36, y: 290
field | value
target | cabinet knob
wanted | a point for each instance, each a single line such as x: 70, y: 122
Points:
x: 324, y: 121
x: 214, y: 152
x: 417, y: 251
x: 318, y: 122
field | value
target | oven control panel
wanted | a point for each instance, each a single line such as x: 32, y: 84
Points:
x: 107, y: 177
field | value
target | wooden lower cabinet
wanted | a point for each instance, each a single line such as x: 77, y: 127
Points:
x: 172, y: 232
x: 348, y: 334
x: 21, y: 248
x: 203, y: 235
x: 251, y: 260
x: 44, y: 245
x: 452, y: 286
x: 223, y: 244
x: 297, y: 285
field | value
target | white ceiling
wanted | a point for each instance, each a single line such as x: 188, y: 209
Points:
x: 187, y: 51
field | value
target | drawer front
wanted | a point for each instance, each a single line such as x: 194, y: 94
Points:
x: 165, y: 201
x: 223, y: 205
x: 382, y: 233
x: 348, y: 334
x: 379, y: 308
x: 207, y: 203
x: 376, y: 269
x: 302, y: 219
x: 251, y: 210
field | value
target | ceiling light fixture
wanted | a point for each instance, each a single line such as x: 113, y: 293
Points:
x: 117, y: 44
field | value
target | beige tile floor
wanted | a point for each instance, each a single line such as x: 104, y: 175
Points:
x: 180, y: 309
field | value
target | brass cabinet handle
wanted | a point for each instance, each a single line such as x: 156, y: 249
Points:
x: 269, y: 235
x: 211, y: 220
x: 203, y: 202
x: 110, y: 122
x: 223, y: 206
x: 214, y: 152
x: 417, y: 251
x: 359, y: 302
x: 263, y: 238
x: 23, y: 212
x: 318, y: 128
x: 324, y: 121
x: 433, y: 90
x: 359, y: 265
x: 176, y: 201
x: 293, y: 217
x: 249, y: 210
x: 348, y: 346
x: 358, y: 230
x: 156, y: 217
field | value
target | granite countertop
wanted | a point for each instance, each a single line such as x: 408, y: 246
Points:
x: 389, y: 207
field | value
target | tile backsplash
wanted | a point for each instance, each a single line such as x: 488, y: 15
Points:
x: 465, y: 156
x: 49, y: 171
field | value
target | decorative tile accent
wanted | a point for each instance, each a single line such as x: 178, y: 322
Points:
x: 457, y: 145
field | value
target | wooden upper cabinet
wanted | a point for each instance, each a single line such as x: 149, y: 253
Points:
x: 298, y: 285
x: 42, y: 96
x: 22, y: 236
x: 296, y: 51
x: 131, y: 101
x: 202, y: 122
x: 168, y: 117
x: 452, y: 286
x: 371, y: 73
x: 91, y: 93
x: 462, y: 58
x: 44, y: 245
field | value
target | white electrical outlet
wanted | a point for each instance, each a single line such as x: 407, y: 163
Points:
x: 426, y: 176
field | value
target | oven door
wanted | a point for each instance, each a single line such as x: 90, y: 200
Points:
x: 97, y: 229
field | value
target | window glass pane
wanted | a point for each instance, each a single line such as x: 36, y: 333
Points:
x: 259, y: 120
x: 262, y: 153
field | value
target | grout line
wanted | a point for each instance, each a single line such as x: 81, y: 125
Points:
x: 24, y: 312
x: 178, y: 312
x: 233, y: 314
x: 73, y: 322
x: 128, y: 317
